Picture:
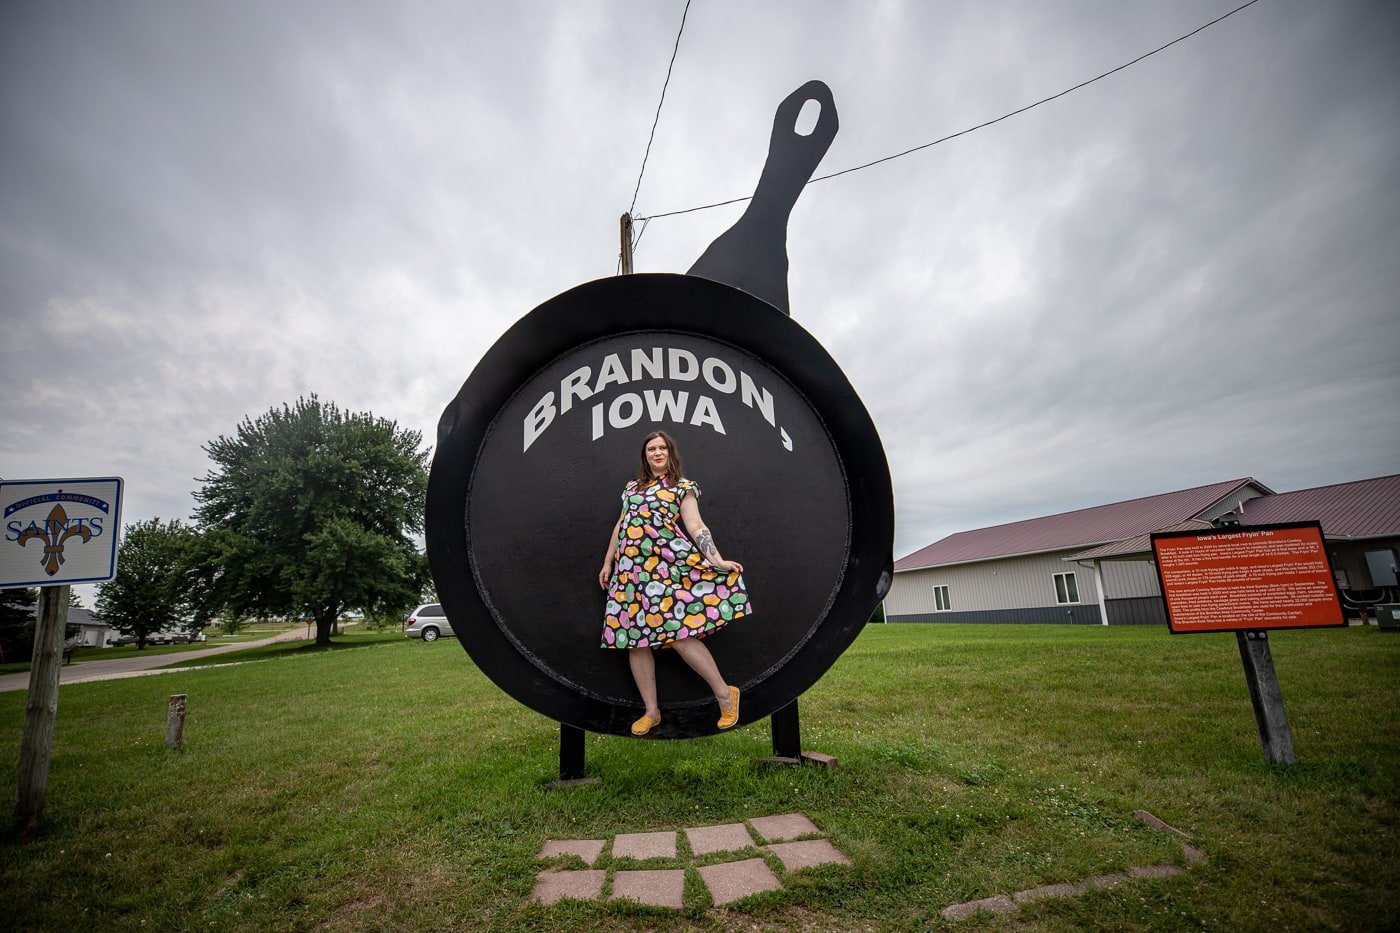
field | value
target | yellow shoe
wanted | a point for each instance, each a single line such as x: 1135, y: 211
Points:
x: 645, y: 724
x: 728, y: 717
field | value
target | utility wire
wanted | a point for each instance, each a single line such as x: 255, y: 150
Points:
x: 970, y: 129
x: 657, y: 118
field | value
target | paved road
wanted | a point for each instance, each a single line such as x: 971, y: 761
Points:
x: 140, y: 665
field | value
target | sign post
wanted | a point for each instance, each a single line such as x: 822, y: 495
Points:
x: 1247, y: 581
x: 56, y: 532
x: 41, y: 710
x: 1266, y: 698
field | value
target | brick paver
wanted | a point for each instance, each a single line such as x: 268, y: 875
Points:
x: 730, y: 881
x: 786, y: 826
x: 644, y: 845
x: 552, y: 886
x: 726, y: 882
x: 809, y: 853
x: 730, y: 837
x: 664, y: 888
x: 586, y: 849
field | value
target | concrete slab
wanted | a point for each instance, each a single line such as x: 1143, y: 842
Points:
x: 644, y: 845
x: 730, y: 837
x: 664, y: 888
x: 730, y: 881
x: 783, y: 827
x: 796, y: 856
x: 997, y: 904
x: 586, y: 849
x: 1106, y: 881
x: 1065, y: 889
x: 552, y: 886
x: 1158, y: 824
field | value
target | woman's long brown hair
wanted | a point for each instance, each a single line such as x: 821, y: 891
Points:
x: 674, y: 472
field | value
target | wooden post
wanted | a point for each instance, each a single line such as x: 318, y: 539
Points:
x: 1266, y: 697
x: 626, y: 225
x: 175, y: 722
x: 42, y: 710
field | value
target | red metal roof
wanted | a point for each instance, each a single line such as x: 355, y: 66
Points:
x: 1081, y: 528
x: 1137, y: 545
x: 1363, y: 509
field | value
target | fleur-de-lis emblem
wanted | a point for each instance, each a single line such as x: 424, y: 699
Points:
x: 56, y: 532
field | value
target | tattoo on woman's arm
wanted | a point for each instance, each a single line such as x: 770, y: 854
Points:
x: 707, y: 544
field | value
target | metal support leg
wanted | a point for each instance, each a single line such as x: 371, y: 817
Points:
x: 1264, y: 694
x: 787, y: 732
x: 570, y: 752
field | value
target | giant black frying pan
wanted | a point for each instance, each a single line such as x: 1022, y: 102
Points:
x: 533, y: 453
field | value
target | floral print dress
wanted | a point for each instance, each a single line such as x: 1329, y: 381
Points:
x: 662, y: 588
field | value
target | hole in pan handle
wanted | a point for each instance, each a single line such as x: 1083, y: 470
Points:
x: 752, y: 254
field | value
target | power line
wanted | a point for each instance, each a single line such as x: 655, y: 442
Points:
x: 657, y: 118
x: 970, y: 129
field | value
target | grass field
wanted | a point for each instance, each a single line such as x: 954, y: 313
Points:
x: 385, y: 784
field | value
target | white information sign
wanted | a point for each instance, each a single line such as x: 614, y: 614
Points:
x: 57, y: 531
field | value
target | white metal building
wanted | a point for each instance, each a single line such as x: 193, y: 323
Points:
x: 1094, y: 566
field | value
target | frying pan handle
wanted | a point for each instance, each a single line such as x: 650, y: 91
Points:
x: 752, y: 254
x: 792, y: 158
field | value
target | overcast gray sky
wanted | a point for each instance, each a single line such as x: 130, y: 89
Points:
x: 1184, y: 273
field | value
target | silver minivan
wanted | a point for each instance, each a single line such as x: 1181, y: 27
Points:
x: 427, y: 622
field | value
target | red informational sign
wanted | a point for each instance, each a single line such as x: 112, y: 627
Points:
x: 1237, y: 579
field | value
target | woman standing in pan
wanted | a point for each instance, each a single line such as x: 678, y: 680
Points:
x: 667, y: 589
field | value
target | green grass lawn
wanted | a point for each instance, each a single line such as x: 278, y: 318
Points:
x: 386, y: 784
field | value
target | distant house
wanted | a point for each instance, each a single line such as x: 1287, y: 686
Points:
x: 1094, y: 566
x: 92, y: 631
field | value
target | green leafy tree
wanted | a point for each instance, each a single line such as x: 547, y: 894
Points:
x: 17, y: 608
x: 151, y: 590
x: 310, y: 511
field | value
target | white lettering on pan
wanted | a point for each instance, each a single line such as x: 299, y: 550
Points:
x: 657, y: 405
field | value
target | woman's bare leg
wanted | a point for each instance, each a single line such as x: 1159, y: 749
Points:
x: 694, y: 653
x: 644, y: 673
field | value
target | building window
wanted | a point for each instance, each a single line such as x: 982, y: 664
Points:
x: 940, y: 599
x: 1066, y: 590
